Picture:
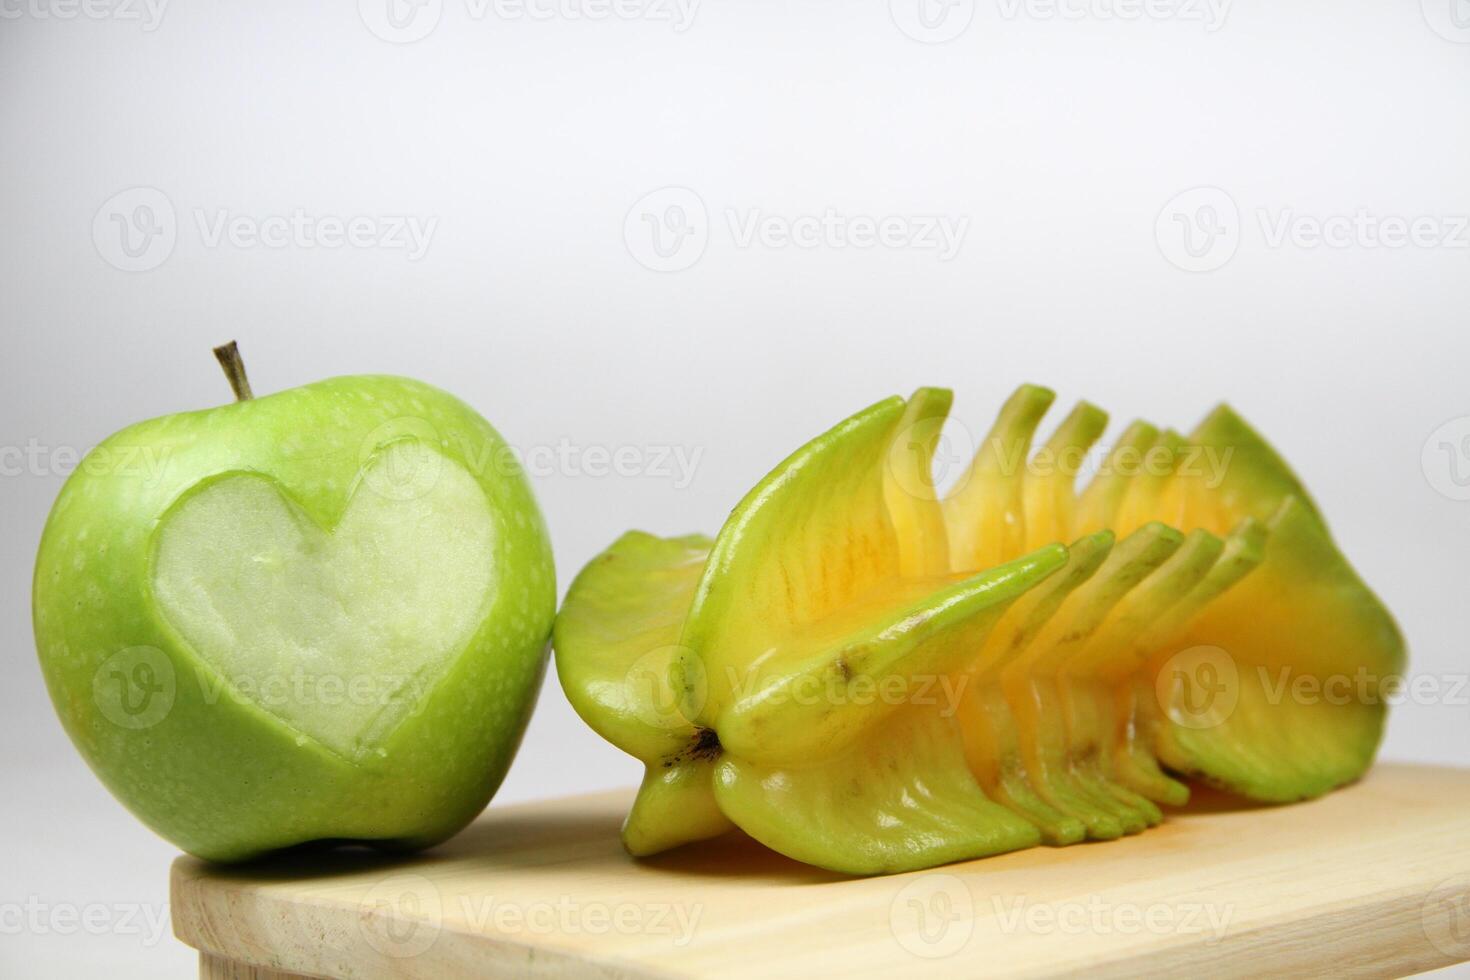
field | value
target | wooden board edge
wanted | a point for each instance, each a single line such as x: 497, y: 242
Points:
x: 215, y: 922
x: 1388, y: 936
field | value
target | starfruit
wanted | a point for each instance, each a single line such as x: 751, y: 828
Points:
x: 870, y: 676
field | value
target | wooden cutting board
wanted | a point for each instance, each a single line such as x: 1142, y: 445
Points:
x: 1371, y: 880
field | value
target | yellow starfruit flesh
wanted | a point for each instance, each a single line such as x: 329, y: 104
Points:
x: 871, y: 677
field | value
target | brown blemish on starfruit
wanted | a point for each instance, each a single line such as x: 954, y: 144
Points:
x: 1051, y: 621
x: 706, y: 745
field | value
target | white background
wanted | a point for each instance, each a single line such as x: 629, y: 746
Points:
x: 1060, y: 141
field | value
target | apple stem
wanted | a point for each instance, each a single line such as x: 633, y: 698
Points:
x: 234, y: 366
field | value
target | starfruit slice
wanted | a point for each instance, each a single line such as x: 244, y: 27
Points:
x: 871, y: 677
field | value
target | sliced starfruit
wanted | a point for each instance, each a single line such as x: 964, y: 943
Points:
x: 869, y: 676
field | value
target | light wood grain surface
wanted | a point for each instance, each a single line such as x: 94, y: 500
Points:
x: 1371, y: 880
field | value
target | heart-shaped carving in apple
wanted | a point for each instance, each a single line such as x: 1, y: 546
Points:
x: 319, y: 615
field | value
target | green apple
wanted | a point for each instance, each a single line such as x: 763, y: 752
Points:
x: 320, y: 615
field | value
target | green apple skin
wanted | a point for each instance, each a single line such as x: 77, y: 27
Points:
x: 219, y: 776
